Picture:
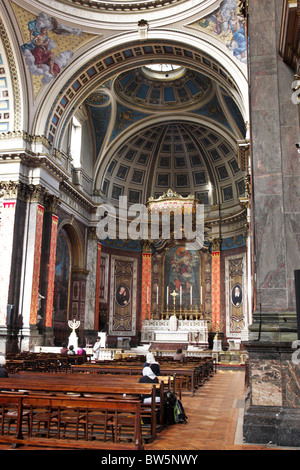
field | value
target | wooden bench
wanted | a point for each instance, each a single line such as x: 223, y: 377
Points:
x: 192, y: 373
x: 69, y: 422
x: 90, y: 386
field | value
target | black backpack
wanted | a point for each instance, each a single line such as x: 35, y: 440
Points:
x: 179, y: 414
x: 173, y: 409
x: 169, y: 403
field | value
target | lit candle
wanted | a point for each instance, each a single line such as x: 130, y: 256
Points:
x: 167, y: 295
x: 147, y: 295
x: 180, y: 295
x: 191, y: 294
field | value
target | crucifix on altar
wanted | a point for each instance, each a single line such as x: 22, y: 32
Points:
x: 174, y: 295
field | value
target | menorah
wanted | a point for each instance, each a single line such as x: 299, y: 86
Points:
x: 73, y: 339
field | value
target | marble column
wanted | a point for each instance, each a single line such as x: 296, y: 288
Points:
x: 275, y: 176
x: 272, y: 411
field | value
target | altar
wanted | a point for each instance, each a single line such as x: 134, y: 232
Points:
x: 175, y: 330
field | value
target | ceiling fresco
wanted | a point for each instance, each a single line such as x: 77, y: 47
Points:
x: 150, y: 131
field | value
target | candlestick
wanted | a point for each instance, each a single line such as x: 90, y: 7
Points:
x: 180, y: 295
x: 167, y: 295
x: 147, y: 295
x: 191, y: 294
x: 157, y: 295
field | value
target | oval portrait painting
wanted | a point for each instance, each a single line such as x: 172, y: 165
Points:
x: 237, y: 295
x: 122, y: 295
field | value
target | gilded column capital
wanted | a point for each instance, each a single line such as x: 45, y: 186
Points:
x: 37, y: 193
x: 216, y: 244
x: 147, y: 246
x: 51, y: 203
x: 14, y: 190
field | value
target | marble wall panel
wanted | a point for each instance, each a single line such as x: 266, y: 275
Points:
x: 270, y: 242
x: 266, y: 387
x: 291, y: 381
x: 265, y: 141
x: 263, y: 83
x: 262, y: 11
x: 263, y: 40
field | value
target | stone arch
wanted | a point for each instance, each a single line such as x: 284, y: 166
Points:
x: 71, y: 227
x: 119, y: 54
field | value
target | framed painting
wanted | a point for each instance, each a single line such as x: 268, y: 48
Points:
x: 182, y: 276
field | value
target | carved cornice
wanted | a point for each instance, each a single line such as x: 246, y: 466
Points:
x: 70, y: 189
x: 31, y: 159
x: 122, y: 7
x: 226, y: 219
x: 27, y: 137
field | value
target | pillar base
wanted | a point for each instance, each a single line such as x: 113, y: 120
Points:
x: 272, y: 425
x: 272, y: 412
x: 273, y: 327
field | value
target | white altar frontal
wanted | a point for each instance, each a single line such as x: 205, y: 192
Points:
x: 174, y: 330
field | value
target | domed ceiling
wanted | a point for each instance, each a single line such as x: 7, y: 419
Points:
x: 186, y: 157
x: 190, y: 150
x: 180, y: 89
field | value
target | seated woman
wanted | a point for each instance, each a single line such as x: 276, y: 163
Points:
x: 150, y: 378
x: 152, y: 363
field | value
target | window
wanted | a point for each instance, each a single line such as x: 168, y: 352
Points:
x: 76, y: 134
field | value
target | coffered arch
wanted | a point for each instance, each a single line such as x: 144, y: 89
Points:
x: 102, y: 62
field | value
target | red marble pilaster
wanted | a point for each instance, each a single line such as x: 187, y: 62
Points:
x: 36, y: 265
x: 146, y: 287
x: 51, y: 272
x: 216, y: 285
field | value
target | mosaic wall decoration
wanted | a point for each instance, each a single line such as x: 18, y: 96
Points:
x: 228, y: 25
x: 48, y: 44
x: 38, y: 51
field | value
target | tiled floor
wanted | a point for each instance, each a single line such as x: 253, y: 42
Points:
x: 215, y: 416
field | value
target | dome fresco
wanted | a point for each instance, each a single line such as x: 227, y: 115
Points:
x: 181, y: 126
x: 186, y: 88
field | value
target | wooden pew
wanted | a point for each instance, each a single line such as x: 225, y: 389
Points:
x: 83, y: 414
x: 91, y: 387
x: 180, y: 370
